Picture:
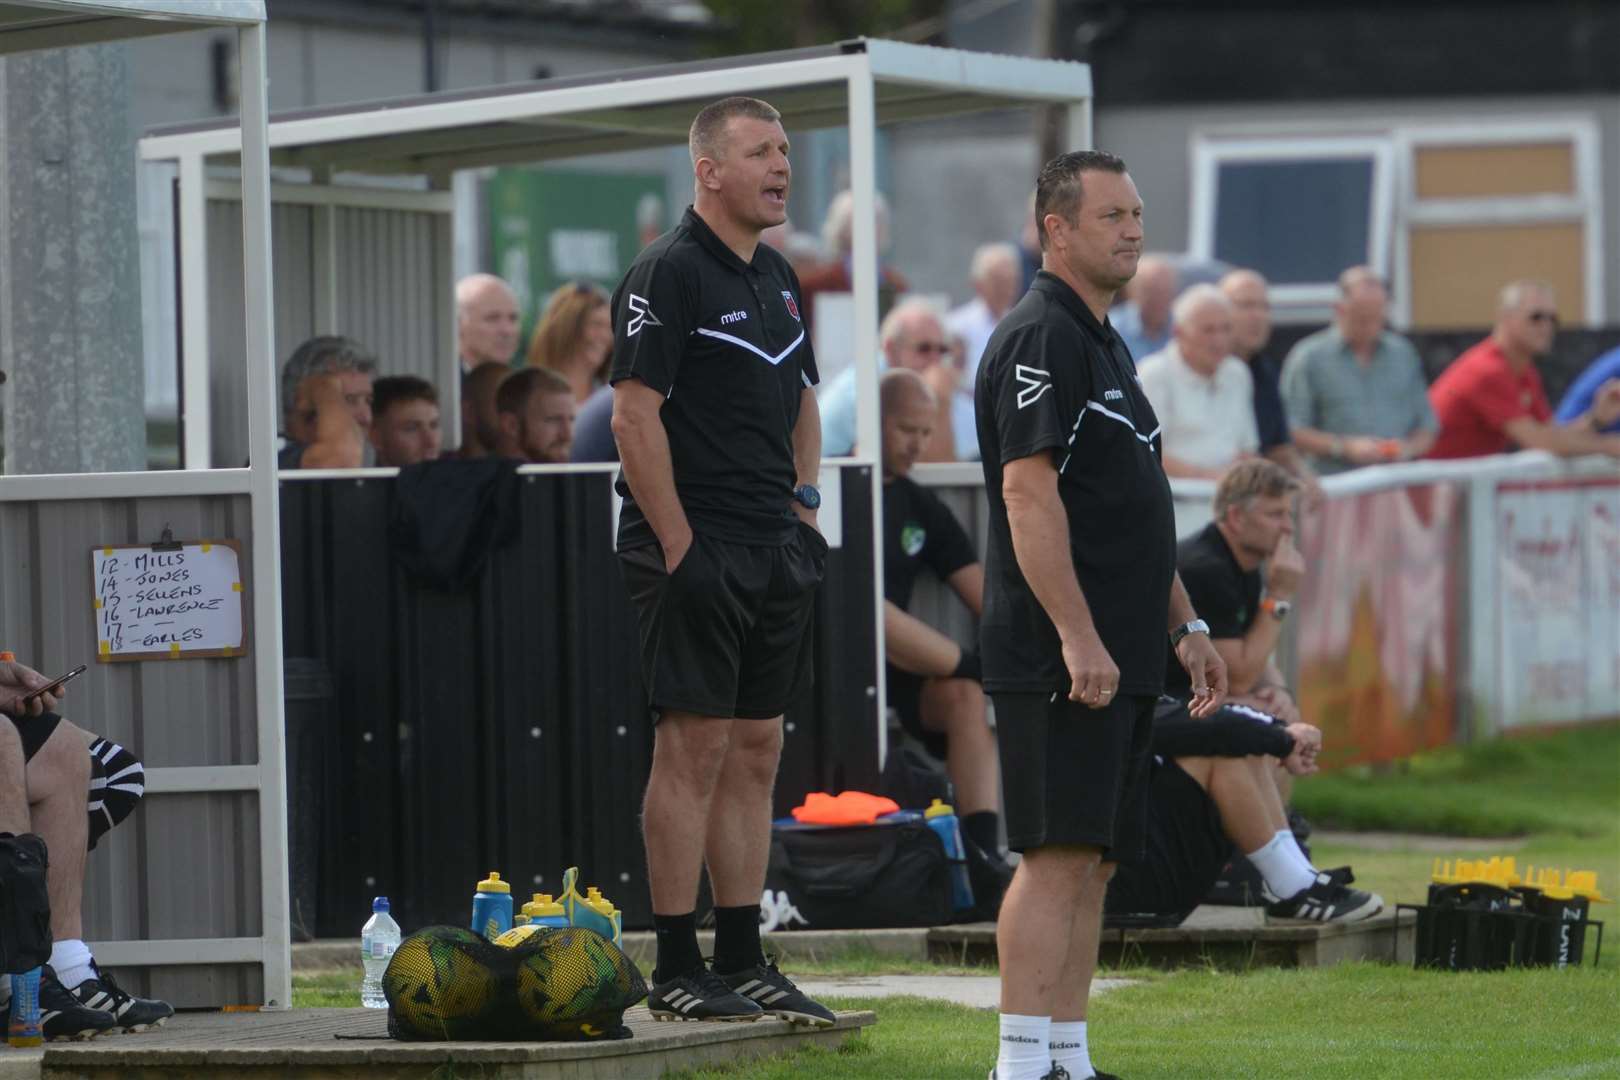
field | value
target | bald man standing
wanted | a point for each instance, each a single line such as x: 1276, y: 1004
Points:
x: 1202, y: 394
x: 1144, y: 320
x: 1248, y: 293
x: 486, y: 321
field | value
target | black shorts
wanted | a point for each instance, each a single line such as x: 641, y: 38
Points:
x: 904, y: 693
x: 1073, y: 775
x: 1186, y: 849
x: 728, y: 634
x: 35, y: 732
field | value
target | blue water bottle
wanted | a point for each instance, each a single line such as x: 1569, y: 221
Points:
x: 941, y: 817
x: 492, y: 907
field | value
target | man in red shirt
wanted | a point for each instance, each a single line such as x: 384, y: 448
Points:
x: 1491, y: 396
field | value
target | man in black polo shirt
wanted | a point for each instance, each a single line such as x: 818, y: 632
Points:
x: 720, y: 439
x: 933, y: 682
x: 1080, y: 592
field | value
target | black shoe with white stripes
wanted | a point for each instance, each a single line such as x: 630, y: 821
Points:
x: 776, y: 994
x: 1327, y: 900
x: 101, y: 991
x: 62, y: 1016
x: 700, y: 994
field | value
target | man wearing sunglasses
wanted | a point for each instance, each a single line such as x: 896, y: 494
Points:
x: 1491, y: 400
x: 913, y: 339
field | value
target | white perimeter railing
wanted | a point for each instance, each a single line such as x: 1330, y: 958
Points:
x: 1443, y: 601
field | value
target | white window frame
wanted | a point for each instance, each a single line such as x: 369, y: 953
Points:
x: 1584, y: 208
x: 1211, y: 151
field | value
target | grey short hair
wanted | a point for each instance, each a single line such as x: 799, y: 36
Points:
x: 986, y: 256
x: 322, y: 355
x: 1195, y: 297
x: 838, y: 230
x: 898, y: 315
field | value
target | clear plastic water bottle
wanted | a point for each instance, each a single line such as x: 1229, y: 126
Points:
x: 378, y: 940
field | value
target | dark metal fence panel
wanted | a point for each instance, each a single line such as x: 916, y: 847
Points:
x: 504, y: 726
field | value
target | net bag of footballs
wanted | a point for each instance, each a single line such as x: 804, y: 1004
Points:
x: 446, y: 983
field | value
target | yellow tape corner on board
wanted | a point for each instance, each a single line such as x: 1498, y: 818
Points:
x: 97, y: 602
x: 104, y: 647
x: 174, y: 650
x: 206, y: 548
x: 106, y: 551
x: 236, y: 586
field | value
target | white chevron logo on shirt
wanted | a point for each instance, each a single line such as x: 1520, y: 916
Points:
x: 1035, y: 383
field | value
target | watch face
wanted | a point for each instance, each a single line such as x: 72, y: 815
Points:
x: 808, y: 495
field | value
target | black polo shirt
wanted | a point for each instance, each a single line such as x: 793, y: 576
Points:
x: 1223, y: 593
x: 723, y: 341
x: 1056, y: 381
x: 919, y: 530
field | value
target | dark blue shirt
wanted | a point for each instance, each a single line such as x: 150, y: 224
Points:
x: 593, y: 429
x: 1269, y: 415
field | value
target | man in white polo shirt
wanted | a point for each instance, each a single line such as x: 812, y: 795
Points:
x: 1203, y: 395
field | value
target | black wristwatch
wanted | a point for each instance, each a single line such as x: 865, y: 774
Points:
x: 1197, y: 626
x: 807, y: 496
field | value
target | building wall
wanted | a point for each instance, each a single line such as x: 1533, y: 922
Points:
x: 1156, y: 142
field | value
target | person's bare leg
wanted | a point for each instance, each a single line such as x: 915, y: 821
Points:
x: 1282, y: 780
x: 13, y: 781
x: 58, y: 788
x: 688, y: 753
x: 955, y: 708
x: 1242, y: 791
x: 1033, y: 935
x: 739, y: 821
x: 1074, y: 986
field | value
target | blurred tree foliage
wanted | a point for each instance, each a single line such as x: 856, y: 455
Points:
x: 763, y: 25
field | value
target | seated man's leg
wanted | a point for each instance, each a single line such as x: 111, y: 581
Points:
x: 955, y: 708
x: 13, y: 783
x: 58, y: 787
x: 1252, y: 815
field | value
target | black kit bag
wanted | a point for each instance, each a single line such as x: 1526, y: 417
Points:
x: 25, y: 906
x: 860, y: 876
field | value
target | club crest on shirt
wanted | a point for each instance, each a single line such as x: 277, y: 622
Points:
x: 792, y: 305
x: 912, y: 538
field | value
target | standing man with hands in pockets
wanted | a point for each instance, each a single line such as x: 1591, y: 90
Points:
x: 1080, y: 592
x: 715, y: 418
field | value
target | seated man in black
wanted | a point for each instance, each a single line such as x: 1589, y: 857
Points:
x: 67, y: 787
x: 1220, y: 566
x: 1210, y: 788
x: 933, y: 682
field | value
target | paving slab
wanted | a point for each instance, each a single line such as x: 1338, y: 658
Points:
x: 20, y: 1064
x: 353, y: 1044
x: 1234, y: 938
x: 976, y: 991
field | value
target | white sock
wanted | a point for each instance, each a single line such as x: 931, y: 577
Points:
x: 70, y: 959
x: 1024, y: 1055
x: 1282, y: 865
x: 1068, y: 1046
x: 1293, y: 842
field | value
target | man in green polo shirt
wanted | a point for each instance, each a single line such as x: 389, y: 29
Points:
x: 1355, y: 392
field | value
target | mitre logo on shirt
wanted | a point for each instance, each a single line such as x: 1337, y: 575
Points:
x: 640, y: 315
x: 1034, y: 381
x: 1113, y: 395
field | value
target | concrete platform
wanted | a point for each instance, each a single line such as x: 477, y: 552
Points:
x: 1233, y: 938
x: 353, y: 1044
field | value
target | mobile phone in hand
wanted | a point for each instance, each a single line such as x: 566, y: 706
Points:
x: 54, y: 685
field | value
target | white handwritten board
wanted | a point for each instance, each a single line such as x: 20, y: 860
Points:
x: 168, y: 604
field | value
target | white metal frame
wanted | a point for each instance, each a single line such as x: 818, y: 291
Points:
x: 860, y: 71
x: 68, y: 22
x: 1584, y: 207
x: 1211, y: 151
